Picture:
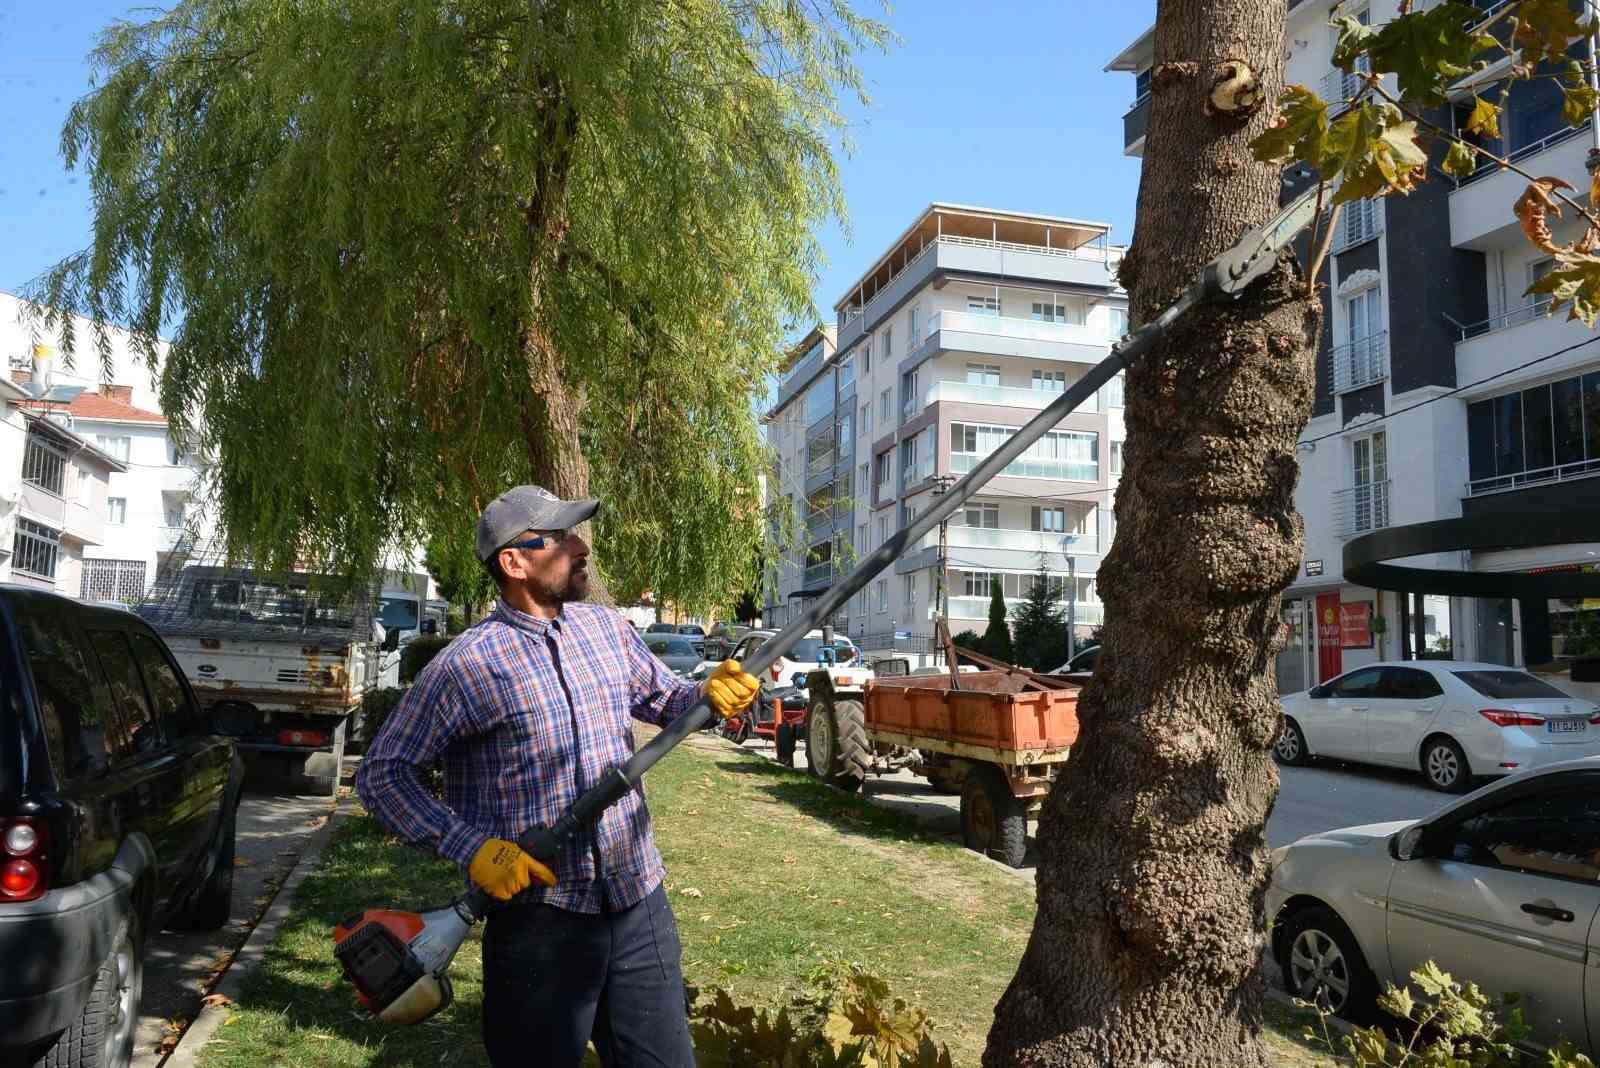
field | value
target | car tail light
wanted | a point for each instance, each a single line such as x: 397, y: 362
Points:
x: 776, y: 671
x: 302, y: 736
x: 1502, y: 717
x: 22, y: 851
x: 1595, y: 719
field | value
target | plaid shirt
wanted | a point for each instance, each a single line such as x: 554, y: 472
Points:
x: 526, y: 713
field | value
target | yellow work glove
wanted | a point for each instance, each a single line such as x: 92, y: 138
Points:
x: 504, y: 870
x: 729, y: 690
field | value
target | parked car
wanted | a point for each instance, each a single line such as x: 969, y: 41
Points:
x: 1081, y: 666
x: 117, y: 811
x: 661, y: 628
x: 678, y: 653
x: 1499, y: 888
x: 694, y: 630
x: 804, y: 657
x: 1452, y: 720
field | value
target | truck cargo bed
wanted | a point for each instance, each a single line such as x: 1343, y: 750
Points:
x: 985, y: 713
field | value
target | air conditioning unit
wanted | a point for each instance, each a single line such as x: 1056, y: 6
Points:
x: 61, y: 419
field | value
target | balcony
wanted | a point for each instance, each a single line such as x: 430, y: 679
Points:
x: 1361, y: 362
x: 1027, y: 541
x: 1001, y: 396
x: 1480, y: 214
x: 916, y: 472
x: 1341, y: 88
x: 818, y: 575
x: 1359, y: 222
x: 167, y: 538
x: 1361, y: 508
x: 1487, y: 348
x: 1090, y: 613
x: 1134, y: 124
x: 1032, y: 467
x: 996, y: 335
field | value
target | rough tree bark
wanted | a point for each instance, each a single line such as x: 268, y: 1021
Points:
x: 1153, y: 863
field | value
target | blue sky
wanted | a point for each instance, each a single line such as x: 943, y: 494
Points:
x: 1003, y: 105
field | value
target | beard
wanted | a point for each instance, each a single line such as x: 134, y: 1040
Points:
x: 575, y: 588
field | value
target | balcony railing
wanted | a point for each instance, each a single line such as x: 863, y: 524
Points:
x: 1361, y: 508
x: 1361, y: 362
x: 1515, y: 317
x: 818, y: 575
x: 1003, y: 396
x: 1538, y: 477
x: 1532, y: 148
x: 1013, y: 327
x: 1084, y: 612
x: 910, y: 476
x: 1340, y: 89
x: 1032, y: 467
x: 1032, y: 541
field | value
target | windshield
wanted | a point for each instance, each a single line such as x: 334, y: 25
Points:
x: 398, y: 613
x: 1508, y: 685
x: 670, y: 647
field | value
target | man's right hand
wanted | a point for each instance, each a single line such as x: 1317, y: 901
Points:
x: 504, y: 870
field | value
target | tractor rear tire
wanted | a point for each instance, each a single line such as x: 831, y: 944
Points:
x: 836, y: 743
x: 994, y: 821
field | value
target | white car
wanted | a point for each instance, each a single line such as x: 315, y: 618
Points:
x: 1451, y: 720
x: 1500, y: 888
x: 804, y: 657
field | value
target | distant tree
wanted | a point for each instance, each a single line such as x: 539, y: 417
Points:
x: 462, y: 580
x: 970, y: 639
x: 1039, y: 635
x: 997, y: 638
x: 747, y: 609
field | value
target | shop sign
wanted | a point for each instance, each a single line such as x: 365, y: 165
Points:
x: 1355, y: 625
x: 1313, y: 568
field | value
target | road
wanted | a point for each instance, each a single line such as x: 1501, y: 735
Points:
x: 1311, y: 800
x: 180, y: 965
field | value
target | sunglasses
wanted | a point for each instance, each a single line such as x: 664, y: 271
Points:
x: 539, y: 541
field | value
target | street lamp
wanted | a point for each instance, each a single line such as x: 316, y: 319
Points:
x: 1067, y: 541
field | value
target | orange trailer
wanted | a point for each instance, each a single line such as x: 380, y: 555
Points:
x: 996, y: 744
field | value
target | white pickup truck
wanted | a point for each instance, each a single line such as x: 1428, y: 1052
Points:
x: 281, y: 661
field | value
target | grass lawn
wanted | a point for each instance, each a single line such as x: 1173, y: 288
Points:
x: 772, y: 877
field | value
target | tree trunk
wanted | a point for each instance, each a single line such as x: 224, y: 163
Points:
x: 1147, y: 943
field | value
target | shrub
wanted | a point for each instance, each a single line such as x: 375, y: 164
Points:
x: 415, y: 657
x: 969, y: 639
x: 374, y: 711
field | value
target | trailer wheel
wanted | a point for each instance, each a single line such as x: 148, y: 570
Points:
x: 836, y: 743
x: 993, y: 821
x: 784, y: 740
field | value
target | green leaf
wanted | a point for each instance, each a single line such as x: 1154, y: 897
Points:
x: 1459, y: 161
x: 1298, y: 132
x: 1397, y: 1002
x: 1574, y: 283
x: 1484, y: 119
x: 1431, y: 979
x: 1428, y: 50
x: 1544, y: 29
x: 1354, y: 39
x: 1578, y: 103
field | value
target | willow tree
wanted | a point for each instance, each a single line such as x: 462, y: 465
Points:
x: 1147, y: 945
x: 418, y: 250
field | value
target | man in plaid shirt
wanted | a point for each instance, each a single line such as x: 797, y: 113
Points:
x: 526, y: 710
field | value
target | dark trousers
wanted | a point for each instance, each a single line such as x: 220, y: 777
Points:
x: 553, y: 980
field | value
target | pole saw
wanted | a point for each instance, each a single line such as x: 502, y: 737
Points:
x: 398, y: 961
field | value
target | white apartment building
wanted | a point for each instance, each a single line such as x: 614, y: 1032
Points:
x: 960, y: 332
x: 1435, y: 399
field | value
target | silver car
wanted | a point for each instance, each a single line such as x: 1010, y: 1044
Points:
x: 1500, y: 888
x: 674, y: 650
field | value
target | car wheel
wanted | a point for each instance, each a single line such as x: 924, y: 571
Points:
x: 214, y: 903
x: 1322, y: 964
x: 1290, y: 748
x: 102, y: 1035
x: 1445, y: 766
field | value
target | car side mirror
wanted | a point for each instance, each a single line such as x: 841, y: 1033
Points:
x: 391, y: 640
x: 1408, y: 844
x: 1317, y: 692
x: 799, y: 680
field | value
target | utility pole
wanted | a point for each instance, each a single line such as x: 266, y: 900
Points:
x: 1072, y: 595
x: 941, y: 483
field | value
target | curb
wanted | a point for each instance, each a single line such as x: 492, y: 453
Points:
x: 248, y: 956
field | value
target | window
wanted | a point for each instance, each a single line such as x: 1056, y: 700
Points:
x: 977, y: 583
x: 127, y: 691
x: 1544, y: 432
x: 175, y: 456
x: 1115, y: 391
x: 864, y: 483
x: 861, y: 540
x: 982, y: 514
x: 1051, y: 520
x: 819, y: 399
x: 1050, y: 381
x: 909, y: 590
x: 866, y: 358
x: 80, y: 727
x: 866, y: 418
x: 908, y: 461
x: 115, y: 446
x: 1410, y: 684
x: 1555, y: 833
x: 883, y: 529
x: 1117, y: 323
x: 85, y: 485
x: 1537, y: 270
x: 983, y: 374
x: 1369, y: 497
x: 1365, y: 683
x: 172, y: 704
x: 885, y: 411
x: 1116, y: 458
x: 117, y: 510
x: 847, y: 372
x: 113, y: 580
x: 882, y: 590
x: 886, y: 342
x: 885, y: 468
x: 44, y: 464
x: 1063, y: 454
x: 913, y: 317
x: 983, y: 305
x: 910, y: 402
x: 1141, y: 87
x: 34, y: 549
x: 1508, y: 685
x: 1049, y: 313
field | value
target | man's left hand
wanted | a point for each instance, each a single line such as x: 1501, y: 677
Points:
x: 729, y: 690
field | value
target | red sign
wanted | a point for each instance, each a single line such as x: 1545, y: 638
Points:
x: 1329, y: 658
x: 1355, y: 625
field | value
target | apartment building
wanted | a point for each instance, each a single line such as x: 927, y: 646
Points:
x: 967, y: 325
x: 1438, y: 396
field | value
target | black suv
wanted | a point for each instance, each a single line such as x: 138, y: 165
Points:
x: 117, y: 808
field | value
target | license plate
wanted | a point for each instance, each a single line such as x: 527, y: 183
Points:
x: 1566, y: 726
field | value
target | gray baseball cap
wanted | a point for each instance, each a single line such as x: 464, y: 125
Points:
x: 527, y: 508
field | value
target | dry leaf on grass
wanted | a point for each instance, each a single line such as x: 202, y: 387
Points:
x: 691, y: 891
x: 216, y: 999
